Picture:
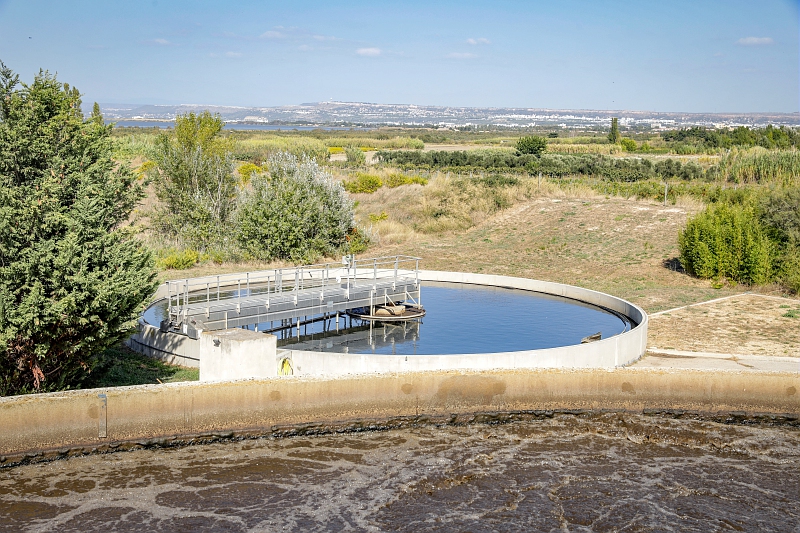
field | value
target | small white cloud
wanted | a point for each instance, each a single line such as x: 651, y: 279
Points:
x: 233, y: 54
x: 324, y: 38
x: 162, y: 42
x: 479, y: 40
x: 755, y: 41
x: 461, y: 55
x: 305, y: 48
x: 369, y: 52
x: 272, y: 35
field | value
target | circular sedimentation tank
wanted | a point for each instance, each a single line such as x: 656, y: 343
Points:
x: 471, y: 321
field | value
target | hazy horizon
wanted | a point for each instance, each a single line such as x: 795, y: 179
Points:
x: 682, y: 57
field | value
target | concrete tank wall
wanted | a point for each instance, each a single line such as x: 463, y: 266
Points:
x: 72, y: 422
x: 612, y: 352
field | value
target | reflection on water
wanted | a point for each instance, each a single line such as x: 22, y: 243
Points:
x: 468, y: 319
x: 459, y: 319
x: 591, y: 472
x: 357, y: 336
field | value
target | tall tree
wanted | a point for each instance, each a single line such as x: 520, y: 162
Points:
x: 613, y: 135
x: 72, y: 276
x: 195, y: 184
x: 532, y: 145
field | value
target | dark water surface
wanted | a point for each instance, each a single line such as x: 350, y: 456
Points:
x: 590, y: 472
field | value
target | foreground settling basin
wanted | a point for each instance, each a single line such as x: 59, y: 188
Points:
x: 582, y: 471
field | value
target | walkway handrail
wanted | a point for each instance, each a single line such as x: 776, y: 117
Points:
x: 238, y: 287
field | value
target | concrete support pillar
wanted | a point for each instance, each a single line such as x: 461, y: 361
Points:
x: 237, y: 354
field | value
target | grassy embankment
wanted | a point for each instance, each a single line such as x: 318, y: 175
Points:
x: 611, y: 235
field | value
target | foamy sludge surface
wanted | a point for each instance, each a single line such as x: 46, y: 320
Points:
x: 595, y: 472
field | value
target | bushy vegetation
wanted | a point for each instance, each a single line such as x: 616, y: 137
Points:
x: 355, y: 156
x: 73, y: 278
x: 258, y: 147
x: 178, y: 260
x: 195, y: 183
x: 727, y: 241
x: 459, y: 202
x: 761, y: 166
x: 397, y: 179
x: 363, y: 183
x: 370, y: 183
x: 296, y: 212
x: 532, y: 144
x: 553, y: 165
x: 749, y: 237
x: 379, y: 141
x: 769, y: 137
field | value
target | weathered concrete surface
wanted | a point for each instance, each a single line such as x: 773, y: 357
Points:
x: 237, y: 354
x: 58, y: 422
x: 169, y: 347
x: 681, y: 359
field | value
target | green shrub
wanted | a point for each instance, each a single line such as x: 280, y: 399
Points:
x: 533, y: 145
x: 727, y: 241
x: 195, y: 183
x: 297, y: 212
x: 179, y: 260
x: 363, y: 183
x: 246, y: 171
x: 780, y: 211
x: 790, y: 268
x: 396, y: 180
x: 497, y: 180
x: 629, y: 145
x: 355, y: 156
x: 357, y: 241
x: 377, y: 218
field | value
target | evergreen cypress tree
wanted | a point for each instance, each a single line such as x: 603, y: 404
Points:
x: 613, y: 135
x: 72, y: 277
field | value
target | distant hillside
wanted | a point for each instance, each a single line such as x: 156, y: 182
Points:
x: 356, y: 113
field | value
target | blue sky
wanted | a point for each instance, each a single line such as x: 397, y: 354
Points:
x: 693, y: 56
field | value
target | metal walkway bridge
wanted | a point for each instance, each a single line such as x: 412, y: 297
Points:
x: 289, y: 295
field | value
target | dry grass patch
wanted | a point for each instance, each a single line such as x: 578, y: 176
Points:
x: 622, y: 247
x: 743, y: 325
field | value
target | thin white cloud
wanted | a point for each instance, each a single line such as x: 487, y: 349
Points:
x: 305, y: 48
x: 369, y: 52
x: 324, y: 38
x: 755, y: 41
x: 271, y: 34
x: 461, y: 55
x: 161, y: 42
x: 479, y: 40
x: 233, y: 54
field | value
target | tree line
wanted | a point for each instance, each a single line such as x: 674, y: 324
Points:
x: 551, y: 165
x: 770, y: 137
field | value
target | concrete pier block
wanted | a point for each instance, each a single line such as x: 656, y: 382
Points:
x: 237, y: 354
